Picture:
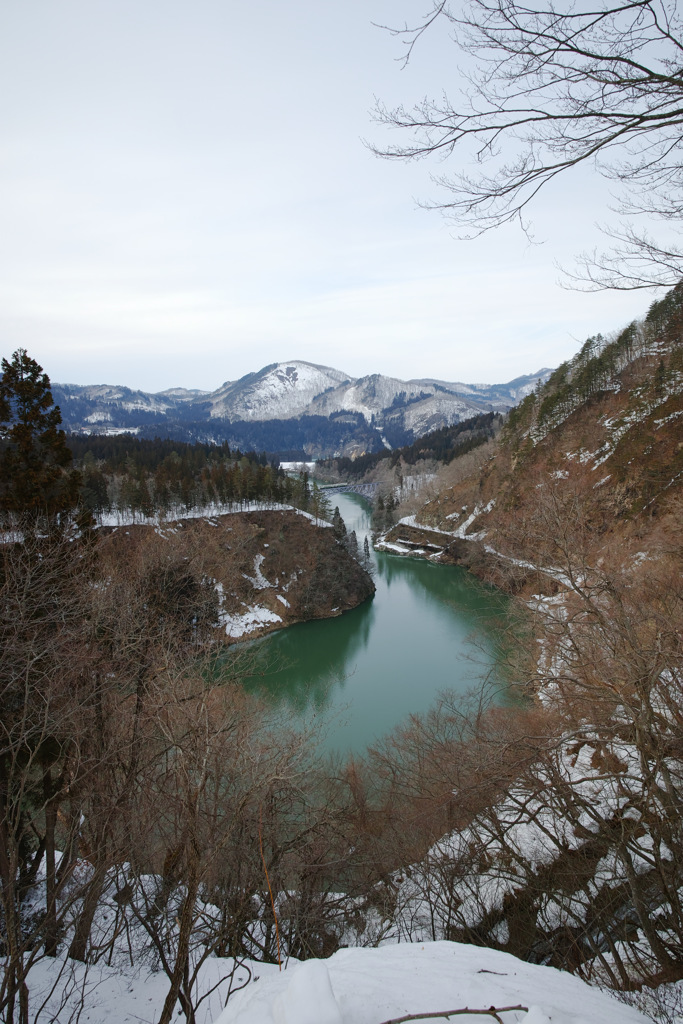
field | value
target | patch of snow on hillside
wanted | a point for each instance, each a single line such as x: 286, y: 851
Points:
x: 555, y: 574
x: 667, y: 419
x: 461, y: 531
x: 238, y: 625
x: 258, y: 580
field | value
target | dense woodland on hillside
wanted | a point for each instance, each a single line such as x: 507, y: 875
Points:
x: 288, y: 439
x: 148, y: 476
x: 442, y: 445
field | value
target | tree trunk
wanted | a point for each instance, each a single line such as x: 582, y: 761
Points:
x: 14, y: 983
x: 51, y: 930
x: 79, y: 943
x: 184, y: 933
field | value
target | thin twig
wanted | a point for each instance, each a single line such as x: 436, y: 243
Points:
x: 493, y: 1011
x: 272, y: 901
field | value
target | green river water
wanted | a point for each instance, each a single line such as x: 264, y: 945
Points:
x: 363, y: 672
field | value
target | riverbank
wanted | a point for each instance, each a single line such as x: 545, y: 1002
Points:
x: 429, y: 629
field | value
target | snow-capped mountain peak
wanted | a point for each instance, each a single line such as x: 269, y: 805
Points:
x: 361, y: 413
x: 278, y: 391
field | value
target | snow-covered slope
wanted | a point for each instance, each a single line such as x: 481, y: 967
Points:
x: 287, y: 391
x: 111, y: 395
x: 371, y: 986
x: 182, y: 394
x: 428, y: 403
x: 278, y: 391
x: 368, y: 395
x: 511, y: 392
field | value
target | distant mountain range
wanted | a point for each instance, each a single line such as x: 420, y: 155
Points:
x: 290, y: 408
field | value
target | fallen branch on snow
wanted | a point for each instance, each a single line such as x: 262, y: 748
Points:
x: 493, y: 1011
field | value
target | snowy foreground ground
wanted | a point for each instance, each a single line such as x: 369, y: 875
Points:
x: 355, y: 986
x: 370, y: 986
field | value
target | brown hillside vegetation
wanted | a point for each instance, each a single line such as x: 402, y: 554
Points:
x: 566, y: 842
x: 219, y: 569
x: 608, y: 459
x: 150, y: 787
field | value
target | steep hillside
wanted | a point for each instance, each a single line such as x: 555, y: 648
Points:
x: 254, y: 571
x: 604, y: 437
x: 567, y: 845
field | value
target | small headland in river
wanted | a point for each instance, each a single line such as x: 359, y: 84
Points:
x: 265, y: 569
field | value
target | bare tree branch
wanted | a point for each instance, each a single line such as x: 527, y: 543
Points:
x: 553, y: 88
x: 493, y: 1011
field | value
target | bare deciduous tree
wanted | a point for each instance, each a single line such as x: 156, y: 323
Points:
x: 43, y: 678
x: 553, y: 86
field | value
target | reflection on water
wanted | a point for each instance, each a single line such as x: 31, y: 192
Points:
x: 371, y: 667
x: 306, y: 667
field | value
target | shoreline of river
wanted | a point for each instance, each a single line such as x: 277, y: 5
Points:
x: 430, y: 628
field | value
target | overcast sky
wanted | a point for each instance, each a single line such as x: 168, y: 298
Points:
x: 185, y: 197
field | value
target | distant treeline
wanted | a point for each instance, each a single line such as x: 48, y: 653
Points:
x: 145, y: 476
x: 289, y: 439
x: 442, y: 445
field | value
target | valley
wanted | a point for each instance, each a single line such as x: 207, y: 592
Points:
x: 344, y: 688
x: 426, y: 630
x: 180, y: 650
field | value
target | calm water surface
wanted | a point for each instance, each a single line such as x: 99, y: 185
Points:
x: 365, y: 671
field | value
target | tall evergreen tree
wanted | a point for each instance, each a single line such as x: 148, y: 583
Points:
x: 338, y: 525
x: 36, y: 479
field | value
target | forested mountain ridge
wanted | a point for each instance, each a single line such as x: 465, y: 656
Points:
x: 295, y: 407
x: 144, y: 477
x: 442, y: 445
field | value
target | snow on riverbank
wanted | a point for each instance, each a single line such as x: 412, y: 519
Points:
x: 255, y: 617
x: 370, y: 986
x: 397, y: 547
x: 126, y: 517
